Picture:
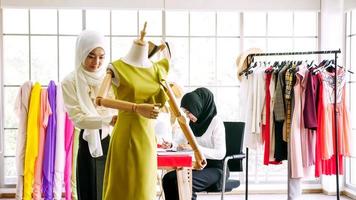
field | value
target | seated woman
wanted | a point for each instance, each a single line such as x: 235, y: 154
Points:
x: 209, y: 130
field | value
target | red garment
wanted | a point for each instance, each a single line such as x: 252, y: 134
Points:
x: 266, y: 128
x: 326, y: 167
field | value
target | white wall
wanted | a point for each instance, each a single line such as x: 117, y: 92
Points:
x: 169, y: 4
x: 350, y: 4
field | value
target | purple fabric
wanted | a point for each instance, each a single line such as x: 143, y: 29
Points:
x: 50, y: 145
x: 310, y: 104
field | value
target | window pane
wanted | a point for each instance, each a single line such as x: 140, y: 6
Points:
x: 280, y: 44
x: 124, y: 22
x: 16, y: 59
x: 15, y: 21
x: 305, y: 24
x: 353, y: 172
x: 348, y: 23
x: 202, y: 23
x: 121, y: 46
x: 43, y: 21
x: 353, y: 21
x: 280, y: 24
x: 202, y: 67
x: 254, y: 43
x: 177, y: 23
x: 353, y: 58
x: 227, y: 51
x: 179, y: 61
x: 353, y: 138
x: 43, y: 59
x: 10, y: 142
x: 227, y: 103
x: 353, y: 105
x: 10, y: 94
x: 154, y: 21
x: 348, y: 52
x: 66, y: 55
x: 228, y: 23
x: 70, y: 22
x: 254, y: 23
x: 305, y: 44
x: 98, y: 20
x: 10, y: 166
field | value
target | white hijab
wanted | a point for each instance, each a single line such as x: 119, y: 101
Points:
x: 87, y: 41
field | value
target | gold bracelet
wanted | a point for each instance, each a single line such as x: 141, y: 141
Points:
x: 134, y: 107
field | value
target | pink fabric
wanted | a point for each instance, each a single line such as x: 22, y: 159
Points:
x: 60, y: 149
x: 21, y: 109
x: 45, y: 112
x: 69, y: 136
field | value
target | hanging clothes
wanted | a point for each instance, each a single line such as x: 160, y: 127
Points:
x: 21, y: 109
x: 32, y: 140
x: 60, y: 149
x: 50, y: 145
x: 74, y: 163
x: 45, y: 112
x: 69, y: 136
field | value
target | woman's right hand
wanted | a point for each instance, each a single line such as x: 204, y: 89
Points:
x: 150, y: 111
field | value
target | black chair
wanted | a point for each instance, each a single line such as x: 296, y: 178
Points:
x: 233, y: 159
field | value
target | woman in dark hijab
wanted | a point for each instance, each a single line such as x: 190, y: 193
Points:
x: 208, y: 128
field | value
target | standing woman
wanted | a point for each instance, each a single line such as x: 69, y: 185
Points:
x: 80, y: 88
x: 209, y: 130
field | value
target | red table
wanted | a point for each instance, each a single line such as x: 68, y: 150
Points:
x: 182, y: 163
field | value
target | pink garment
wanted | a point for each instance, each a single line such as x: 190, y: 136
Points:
x: 343, y: 127
x: 69, y: 137
x: 297, y: 129
x: 60, y: 149
x: 21, y: 109
x: 45, y: 112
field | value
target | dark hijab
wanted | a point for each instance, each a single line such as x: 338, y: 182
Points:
x: 200, y: 103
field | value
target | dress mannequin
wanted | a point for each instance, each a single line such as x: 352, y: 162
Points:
x: 139, y: 96
x: 138, y: 54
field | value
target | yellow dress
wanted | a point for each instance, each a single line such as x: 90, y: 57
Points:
x: 131, y: 165
x: 32, y: 140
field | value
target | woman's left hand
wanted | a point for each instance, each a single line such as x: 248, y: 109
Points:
x: 184, y: 147
x: 113, y: 120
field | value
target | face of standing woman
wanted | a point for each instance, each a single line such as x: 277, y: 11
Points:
x: 94, y: 59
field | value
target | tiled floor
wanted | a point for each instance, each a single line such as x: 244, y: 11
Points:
x: 262, y: 197
x: 269, y: 197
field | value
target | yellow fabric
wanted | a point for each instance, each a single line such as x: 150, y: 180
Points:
x: 32, y: 140
x: 74, y: 163
x: 131, y: 165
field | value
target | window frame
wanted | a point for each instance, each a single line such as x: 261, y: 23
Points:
x: 215, y: 37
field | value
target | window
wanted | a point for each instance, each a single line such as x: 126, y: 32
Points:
x: 351, y: 64
x: 278, y: 32
x: 204, y: 48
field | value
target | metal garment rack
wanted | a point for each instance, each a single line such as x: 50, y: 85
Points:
x: 335, y: 52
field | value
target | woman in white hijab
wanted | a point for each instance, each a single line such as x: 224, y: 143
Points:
x: 80, y: 88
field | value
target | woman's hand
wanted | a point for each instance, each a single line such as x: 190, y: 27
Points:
x: 166, y: 144
x: 184, y: 147
x: 113, y: 120
x: 150, y: 111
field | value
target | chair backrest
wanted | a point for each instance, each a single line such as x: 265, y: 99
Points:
x: 234, y: 133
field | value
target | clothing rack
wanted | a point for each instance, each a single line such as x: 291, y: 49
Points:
x: 335, y: 52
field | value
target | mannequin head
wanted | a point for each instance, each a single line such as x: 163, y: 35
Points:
x: 138, y: 55
x: 94, y: 60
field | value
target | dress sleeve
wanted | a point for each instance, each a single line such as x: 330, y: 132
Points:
x: 116, y: 80
x: 80, y: 119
